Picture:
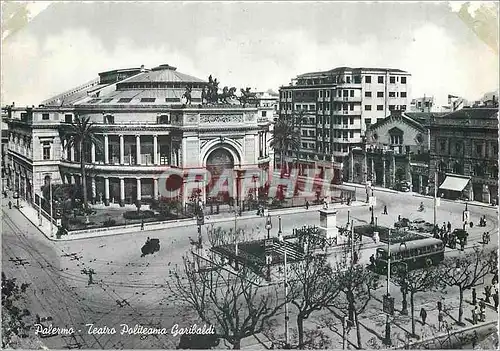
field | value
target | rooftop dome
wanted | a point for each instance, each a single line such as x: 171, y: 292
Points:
x: 163, y: 74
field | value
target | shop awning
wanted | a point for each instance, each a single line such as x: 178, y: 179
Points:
x: 454, y: 183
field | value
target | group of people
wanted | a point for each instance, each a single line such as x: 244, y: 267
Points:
x: 482, y: 221
x: 260, y: 211
x: 478, y: 311
x: 448, y: 237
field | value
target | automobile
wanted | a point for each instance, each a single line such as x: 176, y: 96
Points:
x: 403, y: 186
x: 417, y: 224
x: 404, y: 222
x: 150, y: 247
x: 460, y: 234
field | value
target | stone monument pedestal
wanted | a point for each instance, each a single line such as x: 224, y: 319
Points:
x: 328, y: 224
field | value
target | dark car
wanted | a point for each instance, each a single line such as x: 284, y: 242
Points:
x: 150, y: 247
x: 460, y: 234
x: 404, y: 222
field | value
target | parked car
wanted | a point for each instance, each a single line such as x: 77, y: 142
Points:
x: 403, y: 186
x: 403, y: 223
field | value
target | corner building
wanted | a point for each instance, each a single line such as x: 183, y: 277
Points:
x: 146, y: 129
x: 332, y: 110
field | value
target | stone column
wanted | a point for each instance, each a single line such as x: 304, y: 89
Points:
x: 155, y: 188
x: 138, y: 148
x: 72, y: 154
x: 178, y: 157
x: 24, y: 187
x: 139, y: 193
x: 94, y: 190
x: 106, y: 191
x: 383, y: 172
x: 420, y: 183
x: 106, y: 149
x: 122, y: 192
x: 156, y: 159
x: 471, y: 192
x: 122, y: 150
x: 92, y: 153
x: 365, y: 167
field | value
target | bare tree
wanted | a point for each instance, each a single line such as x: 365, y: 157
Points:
x: 466, y: 269
x: 233, y: 302
x: 356, y: 283
x: 313, y: 286
x: 413, y: 282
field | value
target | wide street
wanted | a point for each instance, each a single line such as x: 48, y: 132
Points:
x: 130, y: 289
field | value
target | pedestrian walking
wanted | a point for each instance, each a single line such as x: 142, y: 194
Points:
x: 474, y: 296
x: 399, y: 218
x: 439, y: 306
x: 495, y: 299
x: 474, y: 315
x: 372, y: 261
x: 440, y: 319
x: 10, y: 204
x: 423, y: 315
x: 487, y: 293
x: 385, y: 209
x: 449, y: 227
x: 307, y: 205
x: 475, y: 339
x: 142, y: 224
x: 462, y: 245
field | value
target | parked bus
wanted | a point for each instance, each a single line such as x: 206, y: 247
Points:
x: 414, y: 254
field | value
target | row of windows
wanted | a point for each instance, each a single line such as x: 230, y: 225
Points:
x: 127, y: 100
x: 479, y: 149
x: 380, y: 94
x: 391, y: 107
x: 380, y: 79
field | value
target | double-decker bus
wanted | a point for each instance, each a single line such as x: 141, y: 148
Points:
x: 412, y: 254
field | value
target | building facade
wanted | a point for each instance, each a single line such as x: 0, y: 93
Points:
x: 152, y: 136
x: 464, y: 144
x: 396, y: 151
x: 332, y: 110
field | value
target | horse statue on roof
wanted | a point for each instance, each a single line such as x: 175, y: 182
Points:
x: 248, y: 97
x: 227, y: 94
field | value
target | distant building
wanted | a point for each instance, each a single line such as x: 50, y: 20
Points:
x: 396, y: 152
x: 422, y: 104
x: 332, y: 110
x: 464, y: 153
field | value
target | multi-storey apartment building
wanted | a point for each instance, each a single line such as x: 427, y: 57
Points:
x: 146, y: 128
x: 332, y: 109
x: 464, y: 153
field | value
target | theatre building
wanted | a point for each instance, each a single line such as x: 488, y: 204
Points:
x: 464, y: 153
x: 146, y: 127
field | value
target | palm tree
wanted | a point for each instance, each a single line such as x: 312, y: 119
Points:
x: 284, y: 137
x: 82, y: 133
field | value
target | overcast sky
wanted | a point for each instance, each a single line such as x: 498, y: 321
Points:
x: 261, y: 45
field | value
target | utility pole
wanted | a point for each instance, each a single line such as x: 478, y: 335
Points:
x: 352, y: 243
x: 435, y: 195
x: 287, y: 344
x: 51, y: 213
x: 387, y: 323
x: 90, y: 272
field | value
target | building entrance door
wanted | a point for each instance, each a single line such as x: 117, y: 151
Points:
x: 220, y: 163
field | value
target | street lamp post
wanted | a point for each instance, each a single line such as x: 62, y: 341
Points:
x: 280, y: 233
x: 372, y: 221
x: 269, y: 226
x: 404, y: 288
x: 387, y: 339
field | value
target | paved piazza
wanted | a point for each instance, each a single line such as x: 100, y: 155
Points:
x: 130, y: 289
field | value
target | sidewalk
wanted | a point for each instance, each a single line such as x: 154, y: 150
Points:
x: 373, y: 320
x: 31, y: 214
x: 386, y: 190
